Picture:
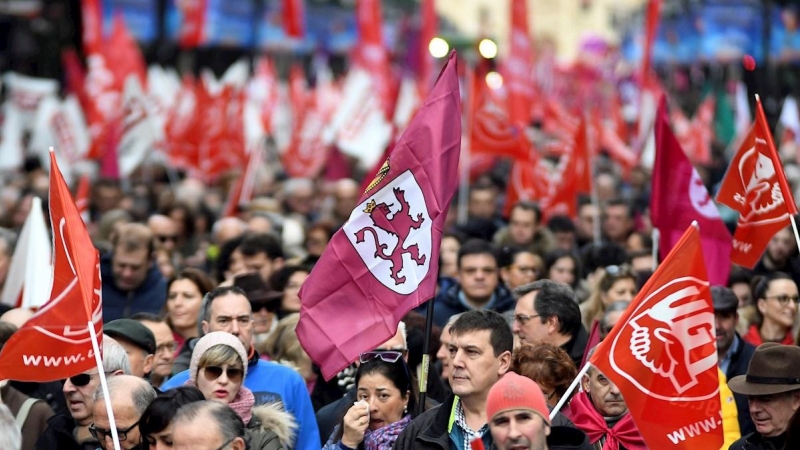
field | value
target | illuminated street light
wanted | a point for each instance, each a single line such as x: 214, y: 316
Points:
x: 494, y: 80
x: 438, y: 47
x: 487, y: 48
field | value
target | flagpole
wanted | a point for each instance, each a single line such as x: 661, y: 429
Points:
x: 426, y: 359
x: 106, y: 397
x: 466, y: 150
x: 655, y: 235
x: 570, y: 389
x: 794, y: 228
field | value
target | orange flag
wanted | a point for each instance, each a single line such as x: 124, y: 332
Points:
x: 55, y: 343
x: 662, y: 354
x: 755, y: 186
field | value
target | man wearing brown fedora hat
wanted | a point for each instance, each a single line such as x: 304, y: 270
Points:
x: 772, y: 387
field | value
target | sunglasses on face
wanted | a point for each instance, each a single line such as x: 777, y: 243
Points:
x: 233, y: 373
x: 82, y: 379
x: 167, y: 238
x: 389, y: 356
x: 100, y: 433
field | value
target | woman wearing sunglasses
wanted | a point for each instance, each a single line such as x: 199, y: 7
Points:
x: 385, y: 404
x: 155, y: 424
x: 616, y: 284
x: 776, y: 304
x: 217, y: 369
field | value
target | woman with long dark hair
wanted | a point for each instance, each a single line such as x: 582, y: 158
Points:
x: 776, y: 304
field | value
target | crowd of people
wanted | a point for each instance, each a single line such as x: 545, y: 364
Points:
x: 200, y: 349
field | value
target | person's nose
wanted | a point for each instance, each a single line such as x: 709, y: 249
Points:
x: 234, y: 328
x: 457, y: 360
x: 441, y: 355
x: 68, y: 387
x: 515, y: 328
x: 614, y: 389
x: 514, y: 431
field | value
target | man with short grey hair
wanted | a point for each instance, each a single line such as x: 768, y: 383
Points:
x: 129, y: 397
x: 71, y: 430
x: 207, y: 425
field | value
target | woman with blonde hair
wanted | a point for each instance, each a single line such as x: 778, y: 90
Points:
x: 283, y: 347
x: 218, y: 369
x: 616, y: 284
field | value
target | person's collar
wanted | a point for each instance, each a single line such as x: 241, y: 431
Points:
x: 252, y: 356
x: 737, y: 342
x: 462, y: 298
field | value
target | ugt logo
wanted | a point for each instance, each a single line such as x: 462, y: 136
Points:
x: 671, y: 336
x: 391, y: 231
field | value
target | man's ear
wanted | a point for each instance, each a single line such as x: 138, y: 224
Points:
x: 585, y: 383
x: 546, y: 429
x: 148, y: 364
x: 553, y: 325
x: 504, y: 274
x: 505, y: 363
x: 238, y: 444
x: 205, y: 326
x: 117, y: 372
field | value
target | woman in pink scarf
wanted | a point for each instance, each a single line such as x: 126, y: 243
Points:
x: 218, y: 368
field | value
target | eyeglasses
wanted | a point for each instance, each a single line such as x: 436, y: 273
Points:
x: 100, y: 433
x: 783, y: 299
x: 389, y: 356
x: 233, y: 373
x: 227, y: 443
x: 164, y: 238
x: 524, y: 318
x: 170, y: 347
x: 82, y: 379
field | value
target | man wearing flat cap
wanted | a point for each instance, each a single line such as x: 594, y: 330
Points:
x: 733, y: 352
x: 137, y: 340
x: 772, y: 387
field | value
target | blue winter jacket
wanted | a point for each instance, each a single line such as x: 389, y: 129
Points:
x: 149, y: 297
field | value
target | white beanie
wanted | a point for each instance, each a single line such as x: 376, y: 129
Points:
x: 210, y: 340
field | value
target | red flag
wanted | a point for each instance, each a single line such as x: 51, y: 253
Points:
x: 242, y: 191
x: 429, y: 28
x: 370, y: 52
x: 491, y: 130
x: 679, y: 197
x: 192, y: 28
x: 528, y: 181
x: 572, y: 179
x: 651, y: 25
x: 55, y: 343
x: 294, y: 18
x: 384, y: 261
x: 662, y: 355
x: 755, y: 186
x: 594, y: 339
x: 82, y: 198
x: 519, y: 67
x: 92, y: 15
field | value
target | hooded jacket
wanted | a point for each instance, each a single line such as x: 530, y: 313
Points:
x: 271, y: 428
x: 448, y: 303
x: 148, y: 297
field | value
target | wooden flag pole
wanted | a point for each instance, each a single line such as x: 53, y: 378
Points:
x: 104, y: 385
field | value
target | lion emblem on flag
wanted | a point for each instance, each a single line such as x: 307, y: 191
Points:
x: 391, y: 231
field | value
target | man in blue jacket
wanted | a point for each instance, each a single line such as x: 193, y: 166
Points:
x: 131, y: 281
x: 227, y: 309
x: 478, y: 285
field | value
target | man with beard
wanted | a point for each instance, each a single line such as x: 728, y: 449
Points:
x: 733, y: 352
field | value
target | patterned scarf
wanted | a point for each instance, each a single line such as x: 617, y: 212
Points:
x: 383, y: 438
x: 242, y: 404
x: 589, y: 420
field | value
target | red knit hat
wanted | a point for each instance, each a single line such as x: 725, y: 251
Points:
x: 514, y: 391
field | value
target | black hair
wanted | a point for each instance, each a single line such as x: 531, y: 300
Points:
x: 280, y: 278
x: 551, y: 258
x: 527, y: 205
x: 561, y: 224
x: 476, y: 247
x: 740, y: 275
x: 219, y: 291
x: 501, y: 338
x: 224, y: 257
x: 508, y: 254
x: 760, y: 283
x: 554, y: 300
x: 158, y: 415
x: 603, y: 255
x: 146, y: 317
x: 255, y: 243
x: 621, y: 202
